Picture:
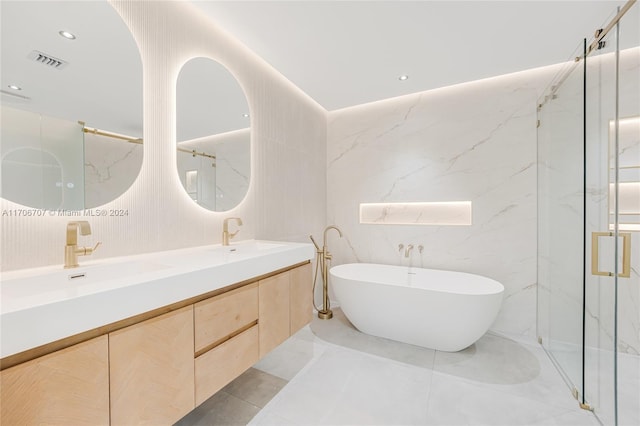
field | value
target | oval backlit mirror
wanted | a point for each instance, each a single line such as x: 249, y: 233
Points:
x: 71, y: 104
x: 213, y: 135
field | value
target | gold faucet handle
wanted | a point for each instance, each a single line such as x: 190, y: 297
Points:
x: 89, y: 250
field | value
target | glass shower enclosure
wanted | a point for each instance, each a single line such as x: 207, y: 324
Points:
x: 589, y: 221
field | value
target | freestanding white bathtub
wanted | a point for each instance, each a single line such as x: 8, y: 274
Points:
x: 442, y: 310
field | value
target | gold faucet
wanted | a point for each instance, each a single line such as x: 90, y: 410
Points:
x: 226, y: 236
x: 323, y: 261
x: 71, y: 249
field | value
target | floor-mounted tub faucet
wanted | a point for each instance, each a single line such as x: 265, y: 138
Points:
x: 323, y: 262
x: 71, y: 249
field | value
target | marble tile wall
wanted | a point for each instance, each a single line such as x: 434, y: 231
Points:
x: 471, y: 142
x: 287, y: 193
x: 110, y: 167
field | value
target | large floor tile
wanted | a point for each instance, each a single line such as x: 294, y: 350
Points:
x: 382, y: 393
x: 255, y: 387
x: 493, y: 360
x: 221, y: 409
x: 286, y: 360
x: 498, y: 363
x: 453, y: 401
x: 340, y: 331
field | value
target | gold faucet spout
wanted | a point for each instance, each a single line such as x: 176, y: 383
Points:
x: 324, y: 242
x: 71, y: 249
x: 226, y: 235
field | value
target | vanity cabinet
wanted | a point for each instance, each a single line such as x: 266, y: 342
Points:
x: 67, y: 387
x: 226, y: 339
x: 301, y: 297
x: 274, y: 306
x: 155, y: 368
x: 285, y: 305
x: 152, y: 370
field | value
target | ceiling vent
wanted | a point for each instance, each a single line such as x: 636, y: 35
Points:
x: 47, y: 60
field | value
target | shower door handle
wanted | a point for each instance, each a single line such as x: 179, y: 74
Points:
x: 626, y: 254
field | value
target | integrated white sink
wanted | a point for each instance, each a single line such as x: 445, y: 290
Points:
x: 42, y: 305
x: 248, y: 248
x: 74, y: 278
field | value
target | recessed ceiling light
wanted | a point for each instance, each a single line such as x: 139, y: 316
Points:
x: 14, y: 87
x: 403, y: 77
x: 67, y: 35
x: 245, y: 115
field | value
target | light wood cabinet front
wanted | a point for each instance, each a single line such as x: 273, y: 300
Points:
x: 221, y: 316
x: 219, y: 366
x: 67, y: 387
x: 152, y: 370
x: 301, y: 297
x: 274, y: 311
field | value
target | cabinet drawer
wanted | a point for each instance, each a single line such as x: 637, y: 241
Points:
x: 219, y: 366
x: 221, y: 316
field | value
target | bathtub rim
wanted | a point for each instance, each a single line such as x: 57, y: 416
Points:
x: 494, y: 287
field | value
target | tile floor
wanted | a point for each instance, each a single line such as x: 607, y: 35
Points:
x: 330, y: 374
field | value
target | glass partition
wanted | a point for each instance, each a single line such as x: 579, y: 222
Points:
x: 561, y: 221
x: 589, y: 222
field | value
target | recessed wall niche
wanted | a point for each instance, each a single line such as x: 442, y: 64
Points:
x: 71, y: 107
x: 213, y: 135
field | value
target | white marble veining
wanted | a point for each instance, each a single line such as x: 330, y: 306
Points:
x: 474, y: 141
x: 110, y: 167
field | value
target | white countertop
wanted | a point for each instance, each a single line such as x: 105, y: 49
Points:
x: 42, y: 305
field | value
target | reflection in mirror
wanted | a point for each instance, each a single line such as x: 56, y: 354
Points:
x: 213, y: 134
x: 64, y: 64
x: 628, y: 157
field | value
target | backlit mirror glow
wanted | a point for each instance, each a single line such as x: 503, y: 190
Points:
x: 213, y: 135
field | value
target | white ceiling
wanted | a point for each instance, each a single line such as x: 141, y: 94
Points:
x: 341, y: 53
x: 102, y: 83
x: 344, y: 53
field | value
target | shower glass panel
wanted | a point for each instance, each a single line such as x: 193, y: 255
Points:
x: 612, y: 347
x: 601, y: 250
x: 589, y: 222
x: 560, y: 220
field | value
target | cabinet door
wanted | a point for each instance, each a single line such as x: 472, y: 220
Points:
x: 151, y: 371
x: 273, y: 309
x: 67, y: 387
x: 301, y: 297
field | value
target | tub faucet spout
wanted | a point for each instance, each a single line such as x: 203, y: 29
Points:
x: 407, y: 251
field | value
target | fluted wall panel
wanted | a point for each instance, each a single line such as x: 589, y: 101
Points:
x: 287, y: 193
